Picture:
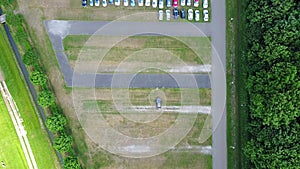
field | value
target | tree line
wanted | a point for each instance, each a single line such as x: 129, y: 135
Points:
x: 273, y: 85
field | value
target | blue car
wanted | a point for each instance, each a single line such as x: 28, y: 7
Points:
x: 175, y: 13
x: 111, y: 2
x: 169, y: 3
x: 182, y: 14
x: 132, y: 2
x: 84, y: 3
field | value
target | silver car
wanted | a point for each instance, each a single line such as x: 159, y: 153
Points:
x: 160, y: 15
x: 205, y: 15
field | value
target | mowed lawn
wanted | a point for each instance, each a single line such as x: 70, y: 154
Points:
x: 11, y: 152
x: 40, y: 144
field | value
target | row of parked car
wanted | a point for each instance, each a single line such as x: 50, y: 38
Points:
x: 182, y: 13
x: 154, y: 4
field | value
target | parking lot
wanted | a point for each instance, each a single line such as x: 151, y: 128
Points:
x: 168, y: 10
x: 214, y: 29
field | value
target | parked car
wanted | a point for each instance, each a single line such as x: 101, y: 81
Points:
x: 168, y: 3
x: 154, y: 3
x: 182, y: 3
x: 132, y: 3
x: 196, y: 3
x: 197, y: 15
x: 188, y: 2
x: 147, y: 2
x: 168, y: 14
x: 117, y: 2
x: 125, y: 3
x: 84, y: 3
x: 91, y: 3
x: 175, y: 3
x: 182, y: 13
x: 190, y: 14
x: 141, y: 2
x: 161, y: 4
x: 205, y: 15
x: 205, y: 3
x: 97, y: 2
x: 160, y: 15
x: 175, y: 13
x: 111, y: 2
x: 158, y: 102
x: 104, y: 3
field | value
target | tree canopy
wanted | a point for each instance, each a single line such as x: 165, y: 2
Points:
x: 273, y: 59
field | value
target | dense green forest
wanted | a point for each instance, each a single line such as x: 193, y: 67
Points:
x: 273, y: 86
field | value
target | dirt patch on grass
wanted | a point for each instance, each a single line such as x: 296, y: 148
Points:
x: 1, y: 76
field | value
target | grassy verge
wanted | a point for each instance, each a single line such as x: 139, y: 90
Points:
x: 37, y: 136
x: 236, y: 93
x: 185, y: 160
x: 73, y: 45
x: 12, y: 155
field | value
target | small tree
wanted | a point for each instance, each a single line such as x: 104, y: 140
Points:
x: 71, y: 163
x: 63, y: 143
x: 29, y: 58
x: 46, y: 98
x: 38, y: 78
x: 56, y: 122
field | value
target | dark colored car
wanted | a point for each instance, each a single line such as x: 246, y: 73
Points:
x: 84, y: 3
x: 168, y: 3
x: 182, y: 13
x: 175, y: 13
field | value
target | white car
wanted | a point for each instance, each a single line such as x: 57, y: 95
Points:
x: 161, y: 4
x: 168, y: 14
x: 91, y: 2
x: 97, y: 2
x: 125, y: 3
x: 182, y: 3
x: 205, y: 3
x: 197, y: 15
x: 117, y: 2
x: 160, y: 15
x: 190, y: 14
x: 147, y: 2
x: 104, y: 3
x: 141, y: 2
x: 205, y: 15
x: 154, y: 3
x: 188, y: 2
x: 196, y: 3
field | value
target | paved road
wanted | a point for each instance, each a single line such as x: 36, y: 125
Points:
x: 218, y: 32
x: 57, y: 30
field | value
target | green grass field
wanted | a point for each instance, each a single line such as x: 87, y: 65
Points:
x: 40, y: 144
x: 236, y: 93
x: 73, y: 44
x: 11, y: 152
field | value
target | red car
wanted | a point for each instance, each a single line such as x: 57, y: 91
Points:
x: 175, y: 3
